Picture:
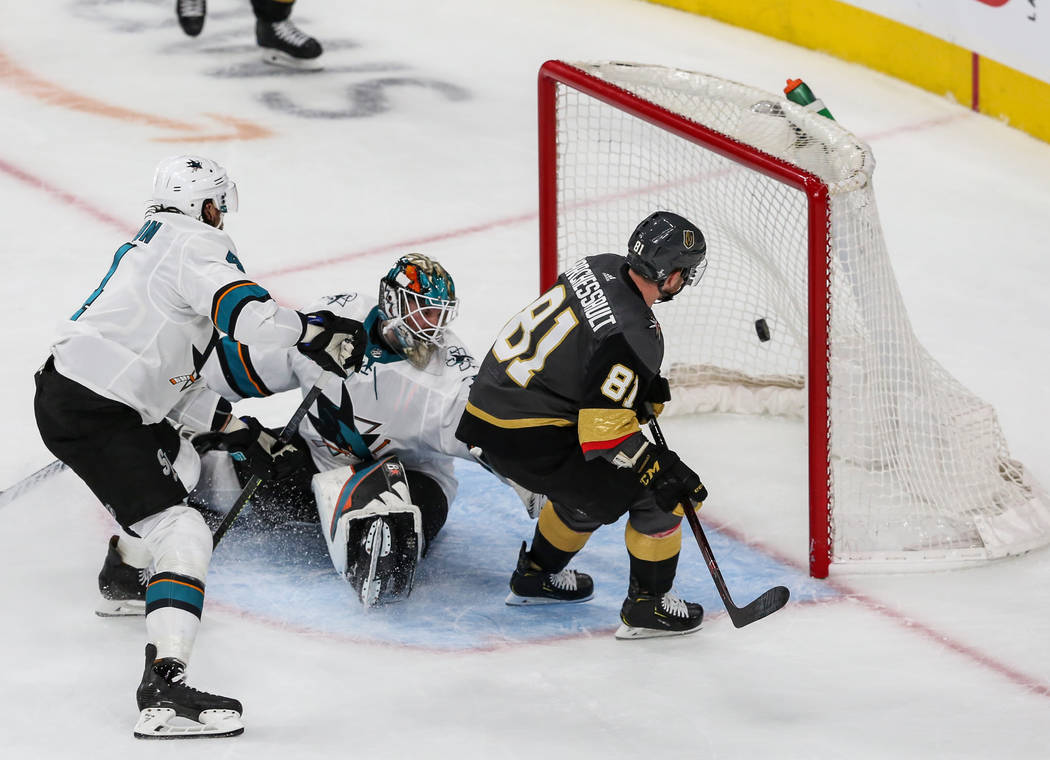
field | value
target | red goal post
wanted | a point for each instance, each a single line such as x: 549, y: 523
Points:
x: 784, y: 196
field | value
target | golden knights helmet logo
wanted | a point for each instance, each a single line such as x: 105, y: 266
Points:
x: 688, y: 239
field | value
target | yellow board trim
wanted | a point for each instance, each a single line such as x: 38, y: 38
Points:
x: 651, y: 548
x: 854, y: 34
x: 524, y: 422
x: 560, y: 535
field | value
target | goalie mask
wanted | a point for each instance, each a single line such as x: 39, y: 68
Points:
x: 417, y: 301
x: 185, y: 182
x: 664, y: 243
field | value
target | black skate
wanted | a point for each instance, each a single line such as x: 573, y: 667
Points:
x: 169, y: 709
x: 284, y: 45
x: 531, y: 586
x: 122, y: 586
x: 645, y: 615
x: 191, y: 15
x: 382, y: 553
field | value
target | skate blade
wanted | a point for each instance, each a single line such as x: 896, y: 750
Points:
x: 162, y: 723
x: 513, y: 600
x: 625, y: 632
x: 278, y: 58
x: 120, y: 608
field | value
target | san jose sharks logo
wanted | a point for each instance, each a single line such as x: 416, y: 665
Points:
x: 198, y: 363
x: 195, y: 165
x: 342, y: 299
x: 339, y: 427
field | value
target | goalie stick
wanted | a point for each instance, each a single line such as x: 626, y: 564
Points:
x: 769, y: 602
x: 249, y: 488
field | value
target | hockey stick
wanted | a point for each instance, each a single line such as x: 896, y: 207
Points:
x: 249, y: 488
x: 766, y: 604
x: 12, y: 492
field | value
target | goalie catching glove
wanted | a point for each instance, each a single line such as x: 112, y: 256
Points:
x: 337, y: 344
x: 671, y: 481
x: 245, y: 438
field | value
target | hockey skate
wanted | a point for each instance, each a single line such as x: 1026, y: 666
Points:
x: 645, y: 616
x: 529, y: 585
x: 169, y: 709
x: 122, y: 586
x: 284, y: 44
x: 191, y: 15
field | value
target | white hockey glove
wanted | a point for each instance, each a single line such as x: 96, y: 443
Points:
x: 337, y: 344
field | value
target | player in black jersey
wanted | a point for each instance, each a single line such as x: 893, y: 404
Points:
x: 558, y: 406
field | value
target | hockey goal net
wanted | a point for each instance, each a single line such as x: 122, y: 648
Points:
x: 799, y: 312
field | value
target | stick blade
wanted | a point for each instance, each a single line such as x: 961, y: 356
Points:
x: 765, y: 605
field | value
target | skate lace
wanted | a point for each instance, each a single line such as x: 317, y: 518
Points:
x: 191, y: 7
x: 288, y: 32
x: 565, y: 580
x: 674, y: 606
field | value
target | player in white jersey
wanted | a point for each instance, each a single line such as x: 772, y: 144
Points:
x: 122, y: 382
x: 381, y: 442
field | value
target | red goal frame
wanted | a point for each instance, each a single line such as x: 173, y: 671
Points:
x: 553, y: 74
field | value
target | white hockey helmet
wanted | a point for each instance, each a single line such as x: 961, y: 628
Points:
x: 185, y: 182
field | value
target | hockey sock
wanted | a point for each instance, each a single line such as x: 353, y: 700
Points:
x: 555, y: 543
x: 654, y: 558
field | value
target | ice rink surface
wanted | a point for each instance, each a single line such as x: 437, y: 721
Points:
x: 420, y: 135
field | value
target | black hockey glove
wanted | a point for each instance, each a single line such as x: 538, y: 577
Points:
x: 656, y: 395
x: 246, y: 437
x: 671, y: 481
x: 335, y: 343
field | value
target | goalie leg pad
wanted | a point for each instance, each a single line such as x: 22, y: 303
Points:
x: 373, y: 530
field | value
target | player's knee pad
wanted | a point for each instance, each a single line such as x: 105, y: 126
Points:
x: 373, y: 530
x: 179, y: 541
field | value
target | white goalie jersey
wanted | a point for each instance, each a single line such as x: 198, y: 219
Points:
x: 142, y: 337
x: 389, y: 407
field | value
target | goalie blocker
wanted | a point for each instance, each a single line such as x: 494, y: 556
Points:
x: 373, y: 530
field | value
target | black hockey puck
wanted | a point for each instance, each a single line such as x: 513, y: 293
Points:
x: 762, y: 330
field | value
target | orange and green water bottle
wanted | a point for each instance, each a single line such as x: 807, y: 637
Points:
x: 798, y: 91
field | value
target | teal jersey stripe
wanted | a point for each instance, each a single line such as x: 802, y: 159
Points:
x: 231, y: 301
x: 236, y: 373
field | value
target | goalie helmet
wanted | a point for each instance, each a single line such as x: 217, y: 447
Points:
x: 417, y: 301
x: 185, y: 182
x: 666, y: 242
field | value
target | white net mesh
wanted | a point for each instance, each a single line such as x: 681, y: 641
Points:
x: 919, y: 466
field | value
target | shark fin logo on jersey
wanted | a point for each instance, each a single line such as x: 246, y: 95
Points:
x: 337, y: 425
x: 342, y: 299
x: 455, y: 356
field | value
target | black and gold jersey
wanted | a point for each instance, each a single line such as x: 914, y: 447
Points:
x: 578, y: 360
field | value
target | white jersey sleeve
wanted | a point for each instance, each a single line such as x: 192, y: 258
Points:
x: 142, y: 337
x: 212, y: 281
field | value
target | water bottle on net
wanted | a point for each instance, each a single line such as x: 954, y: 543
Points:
x: 798, y: 91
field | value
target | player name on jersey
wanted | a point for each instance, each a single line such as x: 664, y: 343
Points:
x: 588, y: 290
